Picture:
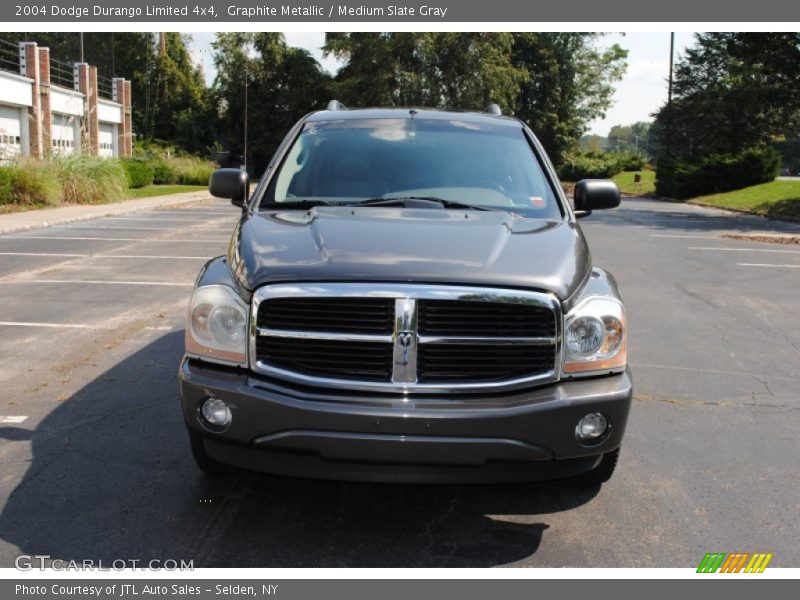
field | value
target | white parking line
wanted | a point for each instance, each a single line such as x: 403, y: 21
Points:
x: 117, y: 228
x: 768, y: 265
x: 16, y: 420
x: 745, y: 250
x: 75, y: 326
x: 671, y: 235
x: 149, y: 256
x: 53, y: 325
x: 42, y: 254
x: 107, y: 239
x: 206, y: 257
x: 99, y: 282
x: 155, y: 219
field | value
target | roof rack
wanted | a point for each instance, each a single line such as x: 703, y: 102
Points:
x: 493, y: 109
x: 335, y: 105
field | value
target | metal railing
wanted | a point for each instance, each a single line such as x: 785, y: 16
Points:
x: 105, y: 87
x: 62, y: 73
x: 9, y: 56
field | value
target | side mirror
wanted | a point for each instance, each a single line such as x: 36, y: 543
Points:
x: 595, y: 194
x: 233, y: 184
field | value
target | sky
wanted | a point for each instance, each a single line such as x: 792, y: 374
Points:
x: 641, y: 92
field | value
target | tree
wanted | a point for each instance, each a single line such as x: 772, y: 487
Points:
x: 733, y: 91
x: 557, y: 82
x: 570, y: 84
x: 633, y: 138
x: 458, y: 70
x: 180, y: 102
x: 280, y: 84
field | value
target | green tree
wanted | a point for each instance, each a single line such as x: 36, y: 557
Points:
x: 279, y: 82
x: 440, y: 70
x: 179, y: 108
x: 733, y: 91
x: 570, y: 84
x: 633, y: 138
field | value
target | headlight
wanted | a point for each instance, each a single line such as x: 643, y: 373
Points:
x: 217, y: 325
x: 594, y: 336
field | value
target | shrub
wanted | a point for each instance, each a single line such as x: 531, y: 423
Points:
x: 34, y: 182
x: 162, y: 172
x: 589, y: 165
x: 139, y: 172
x: 189, y: 170
x: 716, y: 173
x: 90, y: 179
x: 6, y: 197
x: 628, y: 161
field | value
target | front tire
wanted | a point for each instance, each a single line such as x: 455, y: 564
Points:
x: 209, y: 466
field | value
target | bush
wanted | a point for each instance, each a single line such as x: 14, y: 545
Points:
x: 6, y: 197
x: 628, y: 161
x: 139, y: 172
x: 596, y: 165
x: 716, y: 173
x: 189, y: 170
x: 162, y: 172
x: 34, y: 182
x: 90, y: 179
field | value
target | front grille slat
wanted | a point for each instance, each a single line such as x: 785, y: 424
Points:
x: 478, y: 318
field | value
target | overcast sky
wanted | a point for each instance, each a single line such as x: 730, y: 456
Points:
x: 638, y: 95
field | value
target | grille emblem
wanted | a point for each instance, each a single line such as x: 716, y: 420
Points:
x: 405, y: 341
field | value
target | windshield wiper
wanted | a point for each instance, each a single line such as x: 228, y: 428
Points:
x: 418, y: 202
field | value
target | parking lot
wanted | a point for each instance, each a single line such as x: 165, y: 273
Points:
x: 96, y: 464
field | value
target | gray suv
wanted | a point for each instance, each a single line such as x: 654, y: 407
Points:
x: 407, y: 297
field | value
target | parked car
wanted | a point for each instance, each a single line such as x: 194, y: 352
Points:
x: 408, y: 297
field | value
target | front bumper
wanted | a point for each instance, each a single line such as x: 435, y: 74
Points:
x: 523, y: 436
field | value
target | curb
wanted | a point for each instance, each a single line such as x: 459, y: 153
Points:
x: 105, y: 210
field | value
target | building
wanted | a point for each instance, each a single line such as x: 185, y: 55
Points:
x: 48, y: 107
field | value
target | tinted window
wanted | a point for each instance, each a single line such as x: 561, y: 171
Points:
x: 470, y: 162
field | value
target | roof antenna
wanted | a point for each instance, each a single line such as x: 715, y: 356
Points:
x: 493, y: 109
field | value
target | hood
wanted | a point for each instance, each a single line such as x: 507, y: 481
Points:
x: 490, y: 248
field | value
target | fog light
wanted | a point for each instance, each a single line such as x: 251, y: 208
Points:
x: 591, y: 427
x: 216, y: 412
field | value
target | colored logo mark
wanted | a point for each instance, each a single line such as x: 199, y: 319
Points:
x: 737, y: 562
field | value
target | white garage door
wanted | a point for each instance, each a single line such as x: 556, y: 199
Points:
x: 106, y: 140
x: 64, y: 134
x: 10, y: 132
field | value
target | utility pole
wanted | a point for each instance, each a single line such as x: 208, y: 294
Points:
x: 669, y: 94
x: 245, y: 113
x: 80, y: 35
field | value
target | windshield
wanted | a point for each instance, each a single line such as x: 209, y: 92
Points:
x: 460, y: 162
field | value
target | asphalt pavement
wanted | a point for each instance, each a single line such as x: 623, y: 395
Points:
x: 96, y: 464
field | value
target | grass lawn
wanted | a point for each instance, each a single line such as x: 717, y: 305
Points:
x: 776, y: 199
x: 162, y: 190
x: 625, y: 182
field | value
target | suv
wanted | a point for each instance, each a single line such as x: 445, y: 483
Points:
x: 407, y: 297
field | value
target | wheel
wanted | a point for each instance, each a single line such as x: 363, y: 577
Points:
x: 602, y: 472
x: 204, y: 462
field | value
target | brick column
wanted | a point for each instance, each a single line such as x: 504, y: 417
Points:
x: 87, y: 84
x: 122, y: 95
x: 29, y: 67
x: 128, y: 115
x: 46, y: 114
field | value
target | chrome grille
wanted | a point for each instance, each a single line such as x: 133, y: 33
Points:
x: 396, y: 337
